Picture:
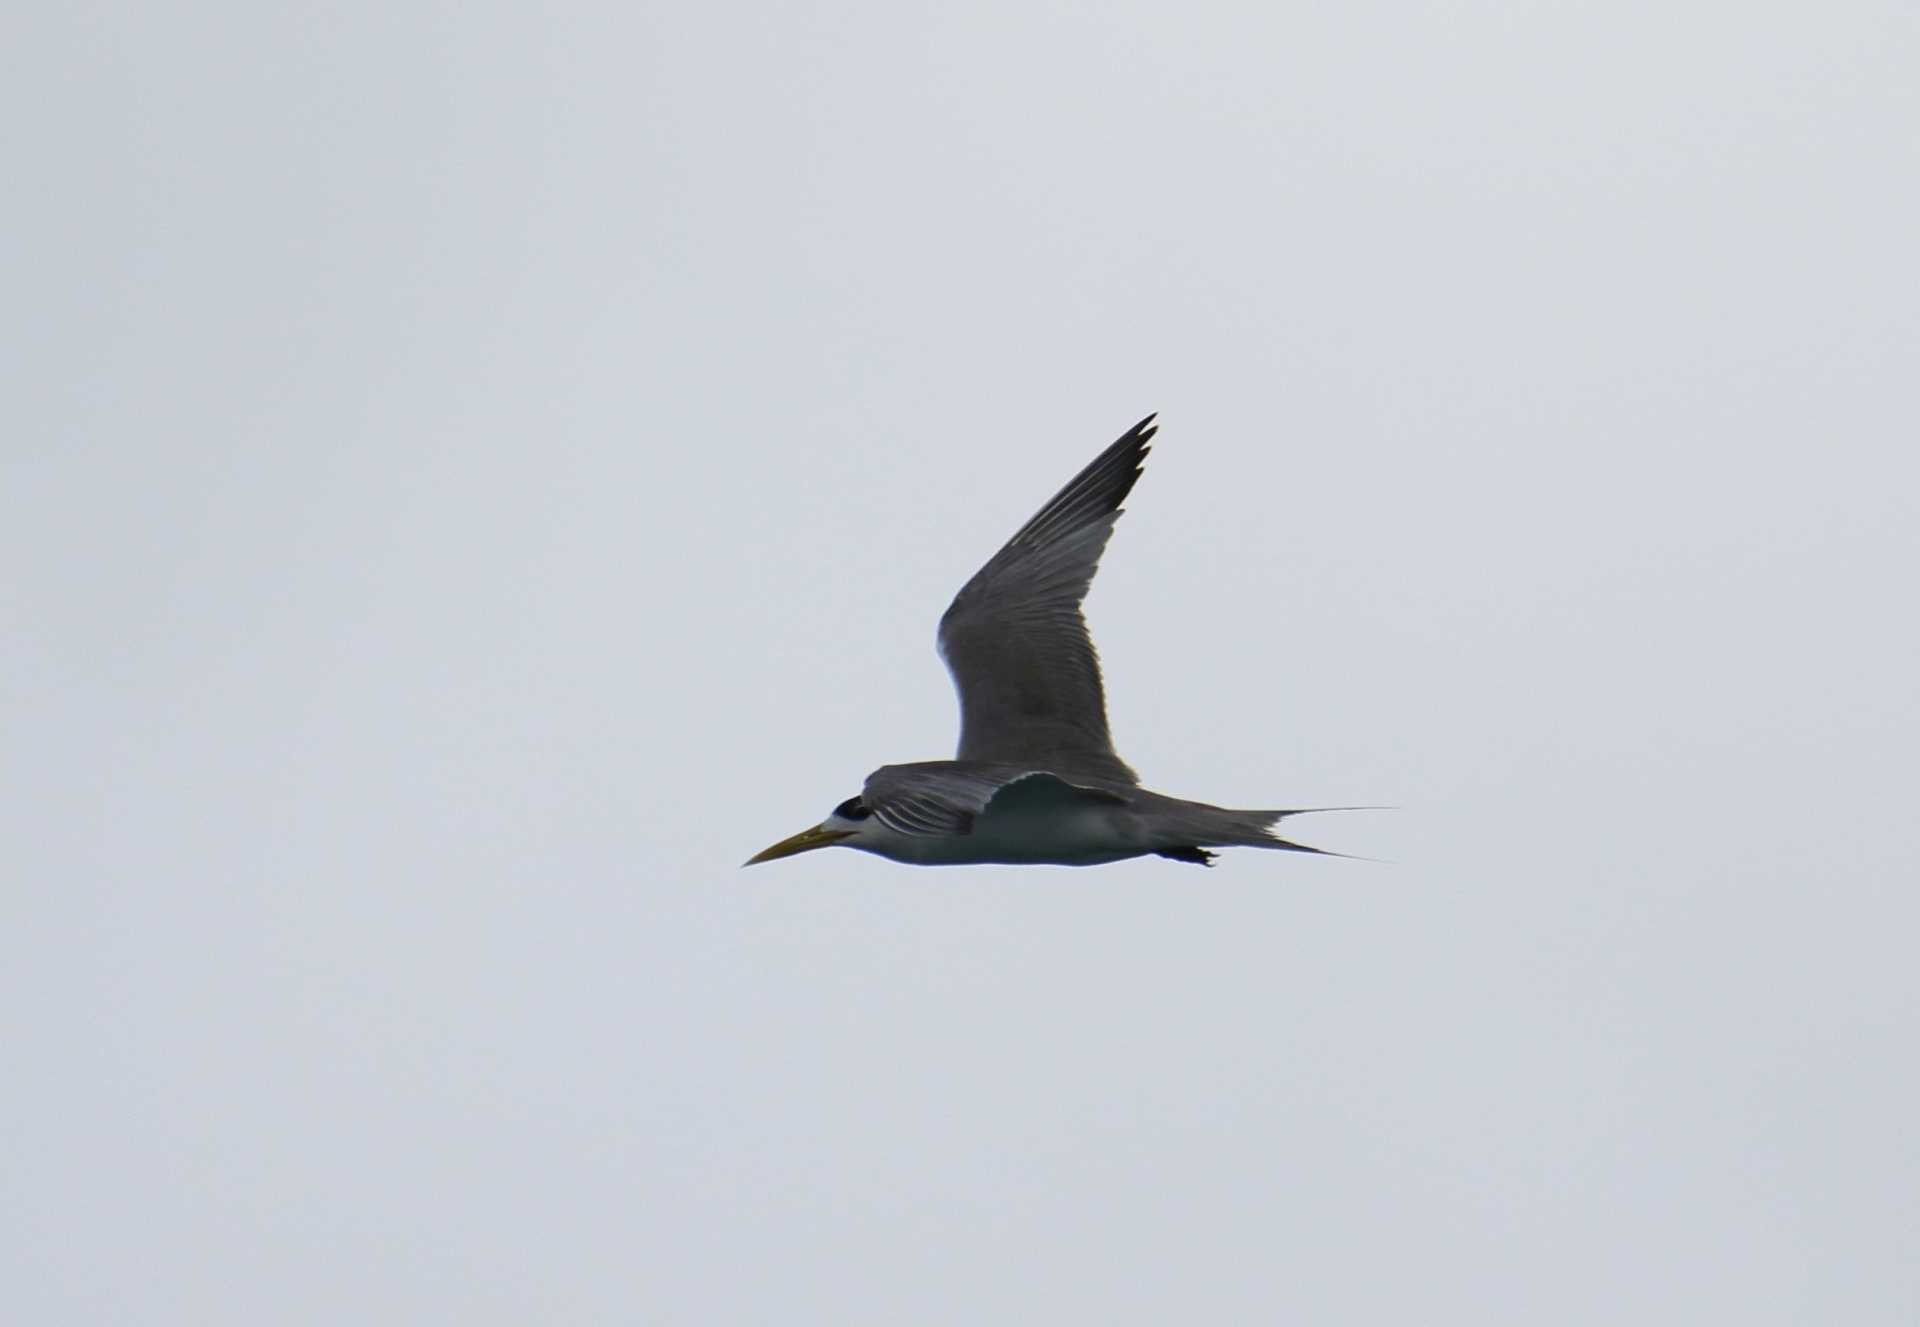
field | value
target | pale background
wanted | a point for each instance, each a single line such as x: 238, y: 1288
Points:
x: 475, y: 473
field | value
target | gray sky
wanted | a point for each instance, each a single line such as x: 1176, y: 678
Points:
x: 476, y: 473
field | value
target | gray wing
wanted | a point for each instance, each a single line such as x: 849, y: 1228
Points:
x: 939, y: 797
x: 929, y: 798
x: 1016, y: 642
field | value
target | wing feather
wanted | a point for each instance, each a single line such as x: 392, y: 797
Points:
x: 937, y: 798
x: 1016, y: 641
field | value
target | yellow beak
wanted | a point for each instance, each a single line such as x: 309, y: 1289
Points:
x: 805, y: 841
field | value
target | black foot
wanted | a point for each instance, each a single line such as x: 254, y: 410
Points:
x: 1198, y: 856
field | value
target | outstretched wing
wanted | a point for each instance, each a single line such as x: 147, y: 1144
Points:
x: 1016, y: 642
x: 938, y: 798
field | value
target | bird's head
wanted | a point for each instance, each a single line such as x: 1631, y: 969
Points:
x: 846, y: 822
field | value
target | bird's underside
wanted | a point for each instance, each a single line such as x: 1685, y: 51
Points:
x: 1036, y: 779
x: 940, y: 813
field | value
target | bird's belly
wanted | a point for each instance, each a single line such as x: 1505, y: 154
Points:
x: 1087, y: 834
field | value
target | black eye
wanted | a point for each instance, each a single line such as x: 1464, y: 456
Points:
x: 852, y: 809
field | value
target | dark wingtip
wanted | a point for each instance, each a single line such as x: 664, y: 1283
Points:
x: 1141, y: 435
x: 1097, y: 491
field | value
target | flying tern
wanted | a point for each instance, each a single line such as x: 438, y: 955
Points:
x: 1035, y: 780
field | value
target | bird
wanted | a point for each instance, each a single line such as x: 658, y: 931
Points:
x: 1035, y: 780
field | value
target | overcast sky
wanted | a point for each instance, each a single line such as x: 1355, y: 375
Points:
x: 475, y: 473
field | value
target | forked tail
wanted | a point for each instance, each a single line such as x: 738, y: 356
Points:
x: 1218, y: 827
